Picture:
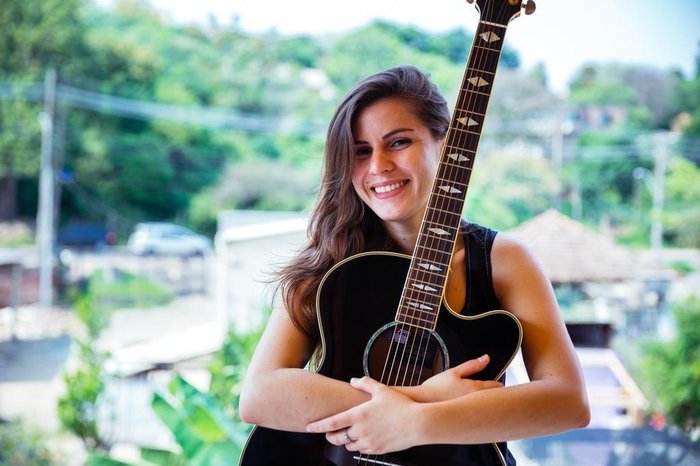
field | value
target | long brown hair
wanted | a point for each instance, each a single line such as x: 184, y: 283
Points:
x: 340, y: 224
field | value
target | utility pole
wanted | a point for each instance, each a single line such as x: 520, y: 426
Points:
x: 45, y: 217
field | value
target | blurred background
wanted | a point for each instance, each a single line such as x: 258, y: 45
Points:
x: 159, y: 159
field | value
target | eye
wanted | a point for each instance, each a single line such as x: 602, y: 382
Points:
x: 399, y: 143
x: 362, y: 151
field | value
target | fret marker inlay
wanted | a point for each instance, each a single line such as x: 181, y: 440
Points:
x: 478, y: 81
x: 468, y: 121
x: 458, y: 157
x: 450, y: 189
x: 422, y: 287
x: 431, y: 267
x: 439, y: 231
x: 489, y: 36
x: 420, y: 306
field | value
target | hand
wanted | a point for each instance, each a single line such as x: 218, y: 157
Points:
x: 454, y: 382
x: 380, y: 425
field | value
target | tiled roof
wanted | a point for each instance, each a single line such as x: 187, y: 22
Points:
x: 570, y: 252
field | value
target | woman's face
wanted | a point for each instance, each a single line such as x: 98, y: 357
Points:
x: 396, y: 158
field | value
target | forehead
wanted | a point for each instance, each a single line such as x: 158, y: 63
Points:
x: 386, y: 114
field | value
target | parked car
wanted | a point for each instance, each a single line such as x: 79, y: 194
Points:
x: 167, y: 239
x: 85, y: 235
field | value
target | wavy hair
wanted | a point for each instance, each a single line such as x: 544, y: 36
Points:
x: 340, y: 224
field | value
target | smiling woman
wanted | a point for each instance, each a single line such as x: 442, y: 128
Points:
x: 433, y: 390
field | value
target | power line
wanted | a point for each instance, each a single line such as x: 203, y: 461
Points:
x: 143, y: 110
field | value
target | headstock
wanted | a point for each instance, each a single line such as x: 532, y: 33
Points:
x: 503, y: 11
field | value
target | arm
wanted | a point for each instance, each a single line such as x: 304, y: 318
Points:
x: 279, y: 393
x: 553, y: 401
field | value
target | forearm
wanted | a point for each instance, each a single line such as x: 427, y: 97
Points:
x: 289, y: 399
x: 533, y: 409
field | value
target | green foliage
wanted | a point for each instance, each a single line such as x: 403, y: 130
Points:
x: 116, y: 288
x: 603, y: 173
x: 24, y: 446
x: 85, y: 383
x: 673, y: 368
x: 228, y: 367
x: 525, y: 188
x: 77, y: 408
x: 682, y: 210
x: 206, y: 436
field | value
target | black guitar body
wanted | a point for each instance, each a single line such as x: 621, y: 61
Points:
x: 356, y: 306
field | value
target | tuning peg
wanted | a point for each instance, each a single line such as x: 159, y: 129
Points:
x: 529, y: 7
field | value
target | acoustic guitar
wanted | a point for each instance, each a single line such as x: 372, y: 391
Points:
x: 383, y: 314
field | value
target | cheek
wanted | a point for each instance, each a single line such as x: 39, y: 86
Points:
x: 358, y: 177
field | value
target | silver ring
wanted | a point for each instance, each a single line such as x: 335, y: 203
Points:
x: 347, y: 437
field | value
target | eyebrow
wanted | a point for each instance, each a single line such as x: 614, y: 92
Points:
x: 388, y: 135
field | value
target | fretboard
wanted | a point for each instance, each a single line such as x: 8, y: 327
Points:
x: 427, y: 276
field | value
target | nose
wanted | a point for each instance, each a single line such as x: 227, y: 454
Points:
x: 380, y: 162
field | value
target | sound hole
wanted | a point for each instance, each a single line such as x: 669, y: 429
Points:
x: 400, y: 354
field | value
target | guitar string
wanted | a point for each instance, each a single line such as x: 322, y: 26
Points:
x: 419, y: 333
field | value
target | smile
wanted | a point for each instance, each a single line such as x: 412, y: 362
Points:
x: 390, y: 187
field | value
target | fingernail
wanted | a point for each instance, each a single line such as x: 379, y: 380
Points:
x: 484, y: 358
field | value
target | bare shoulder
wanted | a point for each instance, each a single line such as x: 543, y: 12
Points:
x: 519, y: 280
x: 510, y: 253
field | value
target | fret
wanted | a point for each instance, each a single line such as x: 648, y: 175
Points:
x: 457, y: 166
x: 429, y: 273
x: 479, y: 70
x: 466, y: 101
x: 436, y: 219
x: 455, y: 148
x: 439, y: 248
x: 448, y: 184
x: 468, y: 113
x: 483, y: 63
x: 468, y: 131
x: 446, y: 211
x: 474, y: 91
x: 431, y: 256
x: 409, y: 319
x: 486, y: 48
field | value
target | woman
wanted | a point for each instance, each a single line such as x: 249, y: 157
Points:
x: 382, y: 151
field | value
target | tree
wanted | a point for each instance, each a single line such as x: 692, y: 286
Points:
x: 35, y: 35
x: 673, y: 369
x: 505, y: 189
x: 682, y: 209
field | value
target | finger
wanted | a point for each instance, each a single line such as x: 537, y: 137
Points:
x: 366, y: 384
x: 472, y: 366
x: 333, y: 423
x: 337, y: 437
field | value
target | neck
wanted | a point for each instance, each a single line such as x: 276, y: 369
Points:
x: 403, y: 234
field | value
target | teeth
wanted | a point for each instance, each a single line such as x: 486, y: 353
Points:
x: 388, y: 188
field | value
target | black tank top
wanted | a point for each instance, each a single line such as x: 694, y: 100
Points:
x: 481, y: 296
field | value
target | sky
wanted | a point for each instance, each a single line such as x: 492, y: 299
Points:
x: 562, y: 34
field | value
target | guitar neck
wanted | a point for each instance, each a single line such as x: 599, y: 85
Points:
x: 425, y: 283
